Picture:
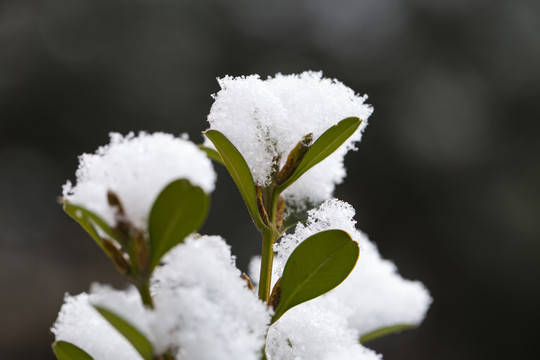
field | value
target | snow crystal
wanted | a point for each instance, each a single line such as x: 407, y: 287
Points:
x: 203, y: 307
x: 374, y: 295
x: 80, y: 324
x: 311, y: 332
x: 267, y: 118
x: 136, y: 168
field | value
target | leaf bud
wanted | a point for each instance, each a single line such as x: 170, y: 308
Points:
x: 117, y: 257
x: 275, y: 296
x: 293, y: 160
x: 248, y: 281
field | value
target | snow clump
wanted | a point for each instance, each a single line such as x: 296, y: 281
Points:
x: 203, y: 310
x: 137, y: 169
x: 80, y: 324
x: 374, y: 295
x: 265, y: 119
x: 312, y: 332
x: 204, y: 307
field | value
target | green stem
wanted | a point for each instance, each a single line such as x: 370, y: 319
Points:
x: 273, y: 196
x: 267, y: 254
x: 146, y: 297
x: 269, y: 237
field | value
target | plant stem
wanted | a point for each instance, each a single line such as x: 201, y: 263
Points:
x: 267, y: 254
x: 269, y: 238
x: 144, y: 291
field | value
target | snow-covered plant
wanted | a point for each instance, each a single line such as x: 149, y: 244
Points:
x: 142, y: 198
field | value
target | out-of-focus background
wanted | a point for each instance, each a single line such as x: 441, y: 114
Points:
x: 446, y: 180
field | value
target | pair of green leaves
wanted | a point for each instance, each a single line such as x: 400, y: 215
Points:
x: 179, y: 210
x: 325, y: 145
x: 68, y: 351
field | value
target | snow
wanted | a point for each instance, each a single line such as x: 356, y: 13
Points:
x: 265, y: 119
x: 201, y: 300
x: 80, y: 324
x: 136, y: 168
x: 203, y: 310
x: 374, y: 295
x: 311, y: 332
x: 204, y: 307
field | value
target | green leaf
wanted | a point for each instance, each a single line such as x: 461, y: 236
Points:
x: 179, y: 210
x: 88, y: 220
x: 64, y: 350
x: 385, y: 331
x: 134, y: 336
x: 212, y: 154
x: 316, y: 266
x: 297, y: 214
x: 325, y: 145
x: 239, y: 170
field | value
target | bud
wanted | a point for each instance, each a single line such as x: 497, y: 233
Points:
x: 114, y: 201
x: 294, y: 158
x: 117, y: 257
x: 260, y: 206
x: 248, y: 281
x: 275, y: 296
x: 280, y: 212
x: 275, y: 165
x: 142, y: 251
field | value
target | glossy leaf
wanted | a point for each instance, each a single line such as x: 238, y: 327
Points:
x: 239, y: 170
x: 324, y: 146
x: 385, y: 331
x: 134, y: 336
x: 316, y: 266
x: 88, y: 220
x: 64, y: 350
x: 179, y: 210
x: 212, y: 154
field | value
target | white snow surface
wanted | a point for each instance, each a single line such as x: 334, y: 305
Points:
x: 137, y: 169
x: 202, y: 307
x: 267, y: 118
x: 374, y: 295
x: 80, y: 324
x: 312, y: 332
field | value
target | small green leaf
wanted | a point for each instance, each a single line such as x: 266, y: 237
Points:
x: 293, y: 220
x: 316, y: 266
x: 239, y: 170
x: 212, y: 154
x: 88, y: 220
x: 179, y: 210
x: 134, y: 336
x: 325, y: 145
x: 297, y: 214
x: 385, y: 331
x: 64, y: 350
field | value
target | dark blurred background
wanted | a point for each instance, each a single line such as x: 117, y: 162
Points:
x: 446, y: 180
